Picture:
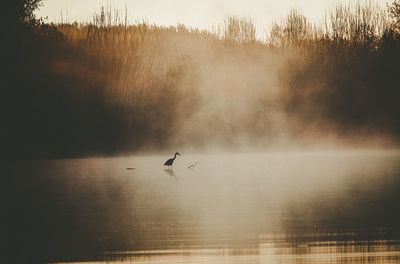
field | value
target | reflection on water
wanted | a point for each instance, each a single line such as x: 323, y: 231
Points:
x: 170, y: 172
x: 246, y: 208
x: 375, y: 251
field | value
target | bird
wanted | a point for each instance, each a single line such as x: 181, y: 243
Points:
x: 170, y: 161
x: 191, y: 167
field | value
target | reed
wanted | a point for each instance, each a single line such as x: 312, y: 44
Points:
x: 129, y: 86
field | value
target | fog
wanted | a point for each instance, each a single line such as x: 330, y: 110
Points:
x: 289, y: 143
x: 110, y: 88
x: 90, y: 209
x: 256, y: 98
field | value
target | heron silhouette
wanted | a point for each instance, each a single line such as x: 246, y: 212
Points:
x: 171, y: 161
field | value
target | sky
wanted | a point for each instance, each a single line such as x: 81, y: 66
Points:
x: 201, y: 14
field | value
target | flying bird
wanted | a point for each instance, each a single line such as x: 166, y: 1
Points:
x: 170, y: 161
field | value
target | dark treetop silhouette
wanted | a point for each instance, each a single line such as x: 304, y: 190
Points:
x: 170, y: 161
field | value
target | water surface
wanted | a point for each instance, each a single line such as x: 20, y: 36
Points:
x: 289, y: 207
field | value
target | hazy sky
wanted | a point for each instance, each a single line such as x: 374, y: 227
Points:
x: 195, y: 13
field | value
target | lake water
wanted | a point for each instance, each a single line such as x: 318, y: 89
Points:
x: 288, y: 207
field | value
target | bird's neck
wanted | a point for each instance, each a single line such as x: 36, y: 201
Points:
x: 174, y: 156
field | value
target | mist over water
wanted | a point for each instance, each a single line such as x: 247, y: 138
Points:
x: 289, y: 145
x: 245, y: 203
x: 108, y: 88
